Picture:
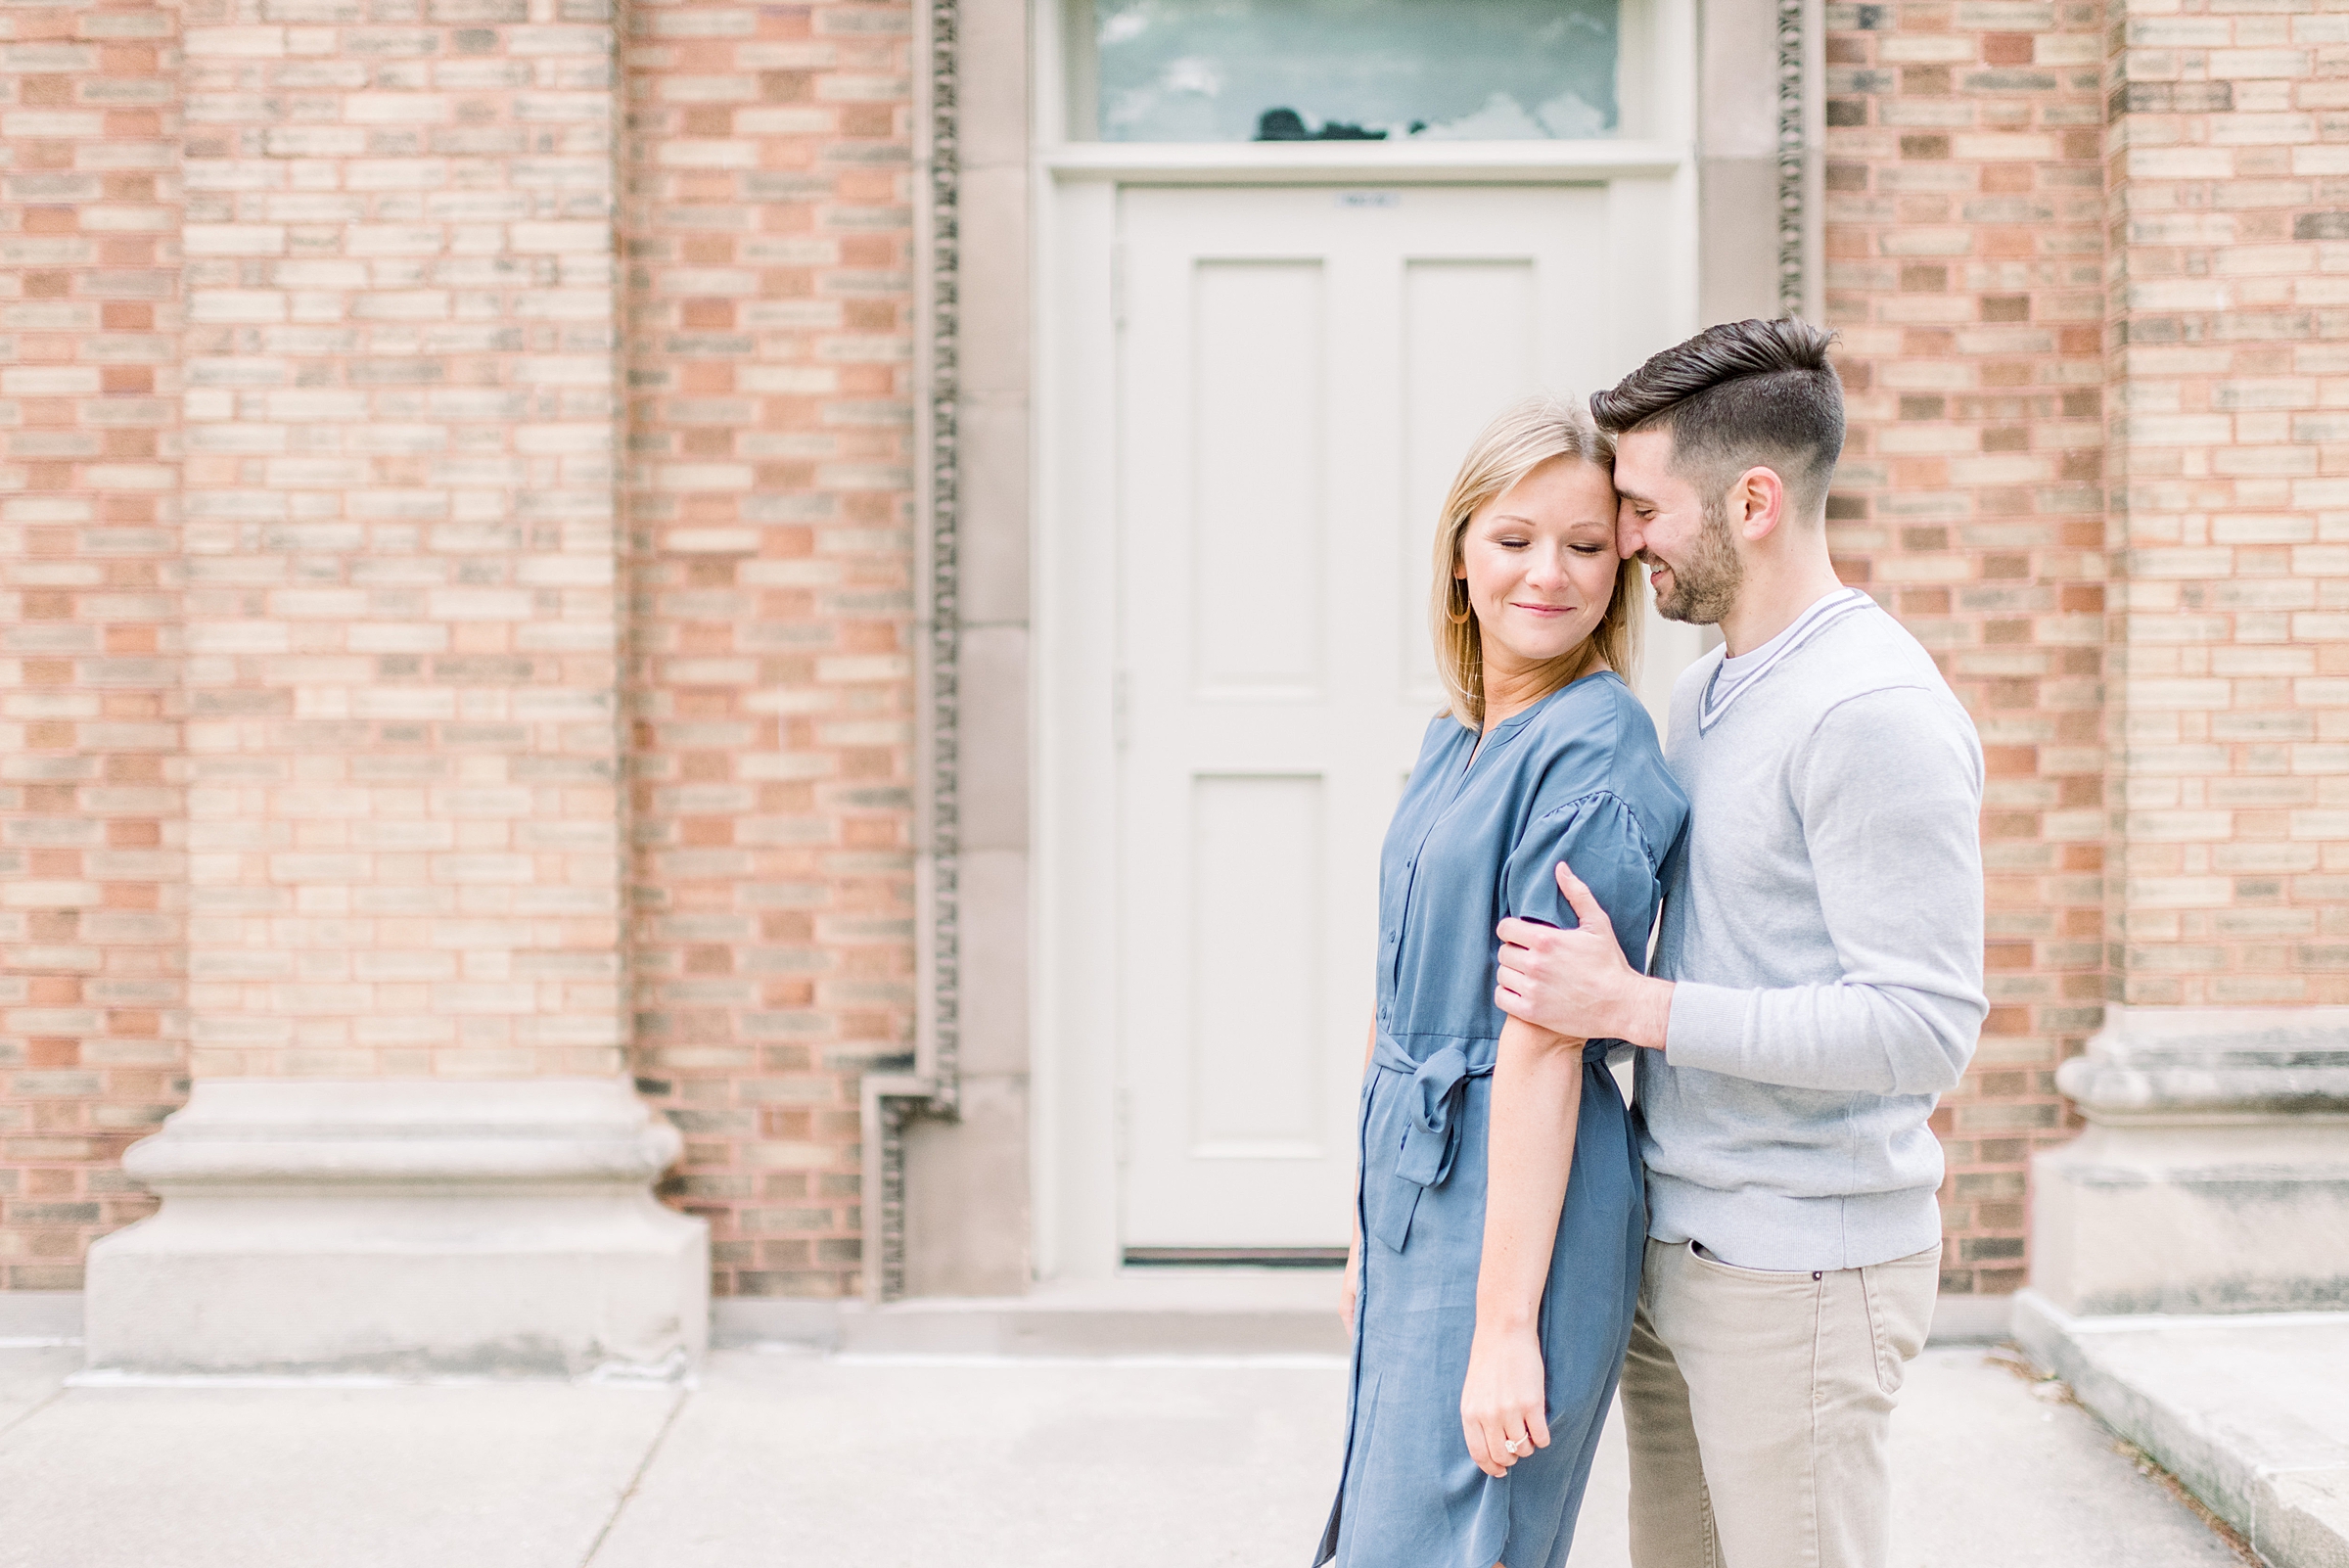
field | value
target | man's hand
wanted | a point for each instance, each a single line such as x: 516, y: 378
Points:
x: 1576, y: 982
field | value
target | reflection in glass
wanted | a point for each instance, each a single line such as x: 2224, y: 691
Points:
x: 1287, y: 70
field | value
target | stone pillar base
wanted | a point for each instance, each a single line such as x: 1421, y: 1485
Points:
x: 2214, y: 1174
x: 404, y: 1228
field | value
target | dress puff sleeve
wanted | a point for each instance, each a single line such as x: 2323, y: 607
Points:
x: 1601, y: 838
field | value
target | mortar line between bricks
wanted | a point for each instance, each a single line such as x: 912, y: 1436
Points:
x: 651, y: 1451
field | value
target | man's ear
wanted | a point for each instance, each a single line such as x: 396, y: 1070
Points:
x: 1758, y: 503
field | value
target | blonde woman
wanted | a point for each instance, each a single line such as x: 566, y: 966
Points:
x: 1500, y: 1221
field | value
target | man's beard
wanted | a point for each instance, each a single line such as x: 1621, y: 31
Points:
x: 1705, y: 585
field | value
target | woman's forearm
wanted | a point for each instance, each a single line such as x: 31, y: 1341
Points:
x: 1536, y: 1099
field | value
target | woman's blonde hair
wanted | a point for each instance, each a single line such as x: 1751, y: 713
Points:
x: 1525, y: 436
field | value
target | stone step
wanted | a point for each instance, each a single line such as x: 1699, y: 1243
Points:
x: 2249, y: 1411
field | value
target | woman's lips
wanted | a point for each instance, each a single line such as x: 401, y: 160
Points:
x: 1542, y: 609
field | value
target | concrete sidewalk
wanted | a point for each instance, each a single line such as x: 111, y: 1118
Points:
x: 903, y: 1462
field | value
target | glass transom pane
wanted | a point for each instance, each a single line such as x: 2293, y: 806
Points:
x: 1238, y: 70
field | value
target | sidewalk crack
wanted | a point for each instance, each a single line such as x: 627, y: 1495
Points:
x: 31, y: 1410
x: 651, y: 1452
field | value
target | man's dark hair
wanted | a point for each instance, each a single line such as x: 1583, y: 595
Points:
x: 1739, y: 395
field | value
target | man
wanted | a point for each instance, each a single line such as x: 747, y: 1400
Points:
x: 1816, y: 981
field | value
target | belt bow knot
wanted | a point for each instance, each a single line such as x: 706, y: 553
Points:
x: 1431, y: 1136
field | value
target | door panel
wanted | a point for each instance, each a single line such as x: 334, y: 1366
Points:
x: 1256, y: 878
x: 1300, y: 372
x: 1257, y: 403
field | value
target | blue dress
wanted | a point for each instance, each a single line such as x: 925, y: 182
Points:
x: 1576, y: 778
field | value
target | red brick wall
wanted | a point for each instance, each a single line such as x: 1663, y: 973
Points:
x: 92, y: 1046
x: 1964, y: 238
x: 770, y: 416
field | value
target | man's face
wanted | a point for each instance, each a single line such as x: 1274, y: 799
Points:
x: 1682, y: 535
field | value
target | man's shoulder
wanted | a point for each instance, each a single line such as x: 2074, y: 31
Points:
x: 1879, y: 693
x: 1859, y: 655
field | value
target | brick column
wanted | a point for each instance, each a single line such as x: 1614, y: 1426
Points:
x: 2229, y: 175
x: 92, y: 1047
x: 409, y: 1143
x: 2211, y: 1177
x: 402, y: 616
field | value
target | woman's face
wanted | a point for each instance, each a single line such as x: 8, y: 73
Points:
x: 1539, y: 564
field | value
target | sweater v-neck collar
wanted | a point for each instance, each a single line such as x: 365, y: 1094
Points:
x: 1824, y: 612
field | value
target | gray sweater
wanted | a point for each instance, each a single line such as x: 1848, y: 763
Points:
x: 1822, y: 921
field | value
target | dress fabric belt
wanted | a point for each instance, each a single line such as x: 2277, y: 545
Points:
x: 1431, y: 1133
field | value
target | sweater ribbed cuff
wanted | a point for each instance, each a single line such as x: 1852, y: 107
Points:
x: 1707, y: 1028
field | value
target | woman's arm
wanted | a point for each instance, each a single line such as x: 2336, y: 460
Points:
x: 1354, y: 1249
x: 1537, y: 1098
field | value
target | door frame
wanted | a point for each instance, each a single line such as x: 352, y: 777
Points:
x: 1073, y: 1118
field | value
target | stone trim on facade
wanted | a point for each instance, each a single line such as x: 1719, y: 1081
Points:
x: 1794, y: 159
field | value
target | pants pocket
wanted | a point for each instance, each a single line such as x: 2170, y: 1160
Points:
x: 1704, y: 1260
x: 1900, y: 1298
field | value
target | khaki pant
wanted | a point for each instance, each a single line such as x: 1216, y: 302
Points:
x: 1759, y: 1409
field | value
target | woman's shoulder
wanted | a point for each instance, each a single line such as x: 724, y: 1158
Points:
x: 1599, y: 739
x: 1444, y: 728
x: 1597, y: 719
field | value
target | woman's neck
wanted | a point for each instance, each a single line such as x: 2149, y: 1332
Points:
x: 1511, y: 688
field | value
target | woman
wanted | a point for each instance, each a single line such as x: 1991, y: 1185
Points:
x: 1499, y: 1218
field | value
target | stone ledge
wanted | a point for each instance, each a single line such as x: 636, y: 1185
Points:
x: 1147, y: 1312
x: 2171, y: 1062
x: 2250, y: 1411
x: 1143, y: 1313
x: 1154, y: 1319
x: 37, y: 1318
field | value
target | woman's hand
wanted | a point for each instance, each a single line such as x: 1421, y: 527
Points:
x: 1353, y: 1281
x: 1503, y: 1398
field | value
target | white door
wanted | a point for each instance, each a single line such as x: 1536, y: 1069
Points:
x: 1300, y: 372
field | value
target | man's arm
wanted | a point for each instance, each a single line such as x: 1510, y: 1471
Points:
x: 1890, y: 796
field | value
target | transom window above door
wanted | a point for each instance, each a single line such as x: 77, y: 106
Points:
x: 1295, y: 71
